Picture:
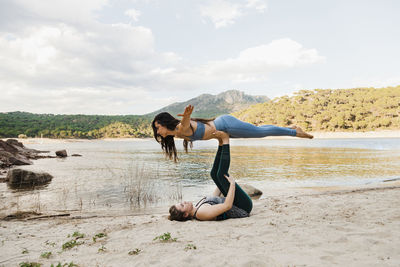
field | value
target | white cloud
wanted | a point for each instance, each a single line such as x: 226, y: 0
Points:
x: 58, y: 65
x: 224, y: 13
x: 259, y: 5
x: 71, y: 11
x: 83, y: 100
x: 374, y: 81
x: 81, y: 66
x: 253, y: 64
x: 61, y: 55
x: 133, y: 14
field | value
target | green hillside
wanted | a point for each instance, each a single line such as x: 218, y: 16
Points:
x: 73, y: 126
x: 359, y: 109
x: 13, y: 124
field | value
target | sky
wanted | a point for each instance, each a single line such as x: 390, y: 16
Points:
x: 135, y: 56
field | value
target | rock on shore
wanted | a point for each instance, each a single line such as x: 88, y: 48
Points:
x: 24, y: 178
x: 13, y: 152
x: 61, y: 153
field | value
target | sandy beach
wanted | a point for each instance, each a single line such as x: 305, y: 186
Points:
x: 317, y: 227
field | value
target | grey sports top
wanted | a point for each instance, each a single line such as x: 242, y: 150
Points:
x: 234, y: 212
x: 199, y: 133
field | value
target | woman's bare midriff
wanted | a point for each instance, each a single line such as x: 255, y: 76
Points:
x: 209, y: 130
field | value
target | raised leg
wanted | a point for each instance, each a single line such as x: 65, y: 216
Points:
x: 240, y: 129
x: 242, y: 200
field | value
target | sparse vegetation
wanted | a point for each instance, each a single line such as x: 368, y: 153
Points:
x: 136, y: 251
x: 48, y: 243
x: 30, y: 264
x: 99, y: 235
x: 190, y: 246
x: 25, y: 251
x: 71, y: 244
x: 102, y: 249
x: 71, y: 264
x: 46, y: 255
x: 166, y: 237
x: 77, y: 235
x: 139, y: 186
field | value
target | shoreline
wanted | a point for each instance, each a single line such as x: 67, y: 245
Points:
x: 317, y: 135
x: 357, y: 226
x: 370, y: 134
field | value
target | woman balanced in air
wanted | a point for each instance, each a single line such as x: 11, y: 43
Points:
x: 166, y: 127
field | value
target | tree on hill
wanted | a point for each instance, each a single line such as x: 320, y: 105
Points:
x: 359, y: 109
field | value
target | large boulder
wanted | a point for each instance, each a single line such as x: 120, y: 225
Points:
x: 3, y: 164
x: 19, y: 160
x: 25, y: 178
x: 9, y: 159
x: 5, y: 146
x: 251, y: 190
x: 14, y: 142
x: 61, y: 153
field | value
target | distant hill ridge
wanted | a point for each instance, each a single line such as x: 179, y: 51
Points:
x: 358, y: 109
x: 14, y: 124
x: 207, y: 105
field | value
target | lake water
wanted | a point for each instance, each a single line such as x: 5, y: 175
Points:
x: 127, y: 176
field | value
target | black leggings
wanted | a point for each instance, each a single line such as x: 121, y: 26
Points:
x: 221, y: 167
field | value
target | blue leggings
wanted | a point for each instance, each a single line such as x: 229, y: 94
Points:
x: 240, y: 129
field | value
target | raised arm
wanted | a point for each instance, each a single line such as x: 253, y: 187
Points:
x: 185, y: 122
x: 207, y: 213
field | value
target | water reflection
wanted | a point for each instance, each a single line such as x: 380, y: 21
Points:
x: 27, y: 187
x: 296, y: 163
x: 110, y: 175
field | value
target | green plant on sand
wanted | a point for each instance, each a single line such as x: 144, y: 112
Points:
x: 70, y: 244
x: 190, y: 246
x: 46, y: 255
x: 29, y: 264
x: 136, y: 251
x: 166, y: 237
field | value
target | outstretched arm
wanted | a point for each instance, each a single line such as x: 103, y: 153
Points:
x: 185, y: 122
x: 207, y: 213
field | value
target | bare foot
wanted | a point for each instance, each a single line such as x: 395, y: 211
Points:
x: 300, y: 133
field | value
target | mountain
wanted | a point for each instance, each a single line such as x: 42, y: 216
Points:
x: 208, y: 106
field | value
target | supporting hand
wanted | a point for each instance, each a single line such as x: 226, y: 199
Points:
x: 223, y: 137
x: 230, y: 179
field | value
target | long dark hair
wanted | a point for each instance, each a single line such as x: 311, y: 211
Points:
x: 167, y: 143
x: 177, y: 215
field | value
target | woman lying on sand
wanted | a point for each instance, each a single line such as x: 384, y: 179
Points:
x: 235, y: 204
x: 166, y: 127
